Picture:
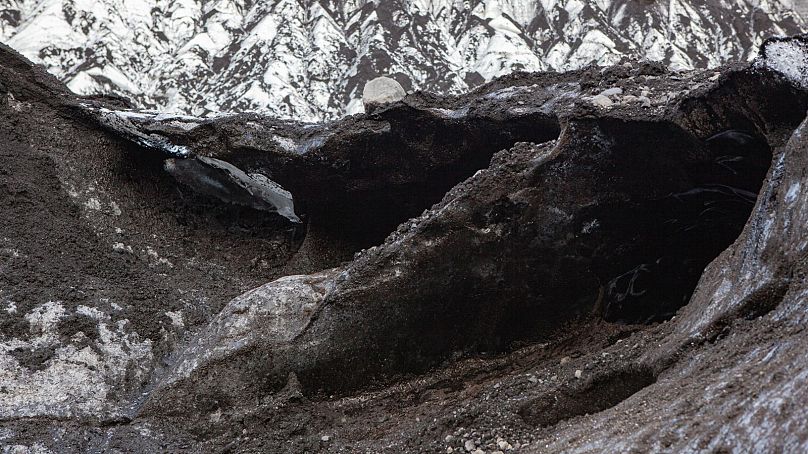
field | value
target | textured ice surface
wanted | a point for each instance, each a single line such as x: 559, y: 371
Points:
x: 228, y: 183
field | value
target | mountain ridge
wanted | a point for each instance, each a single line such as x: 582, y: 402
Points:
x: 310, y: 60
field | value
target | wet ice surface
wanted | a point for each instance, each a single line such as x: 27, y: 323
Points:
x: 230, y: 184
x: 311, y: 143
x: 214, y: 177
x: 121, y: 122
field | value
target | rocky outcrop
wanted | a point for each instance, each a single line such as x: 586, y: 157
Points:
x: 734, y: 353
x: 528, y: 213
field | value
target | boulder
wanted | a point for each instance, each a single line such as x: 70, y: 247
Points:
x: 380, y: 91
x: 602, y: 101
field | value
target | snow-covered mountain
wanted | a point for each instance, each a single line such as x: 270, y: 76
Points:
x: 309, y: 59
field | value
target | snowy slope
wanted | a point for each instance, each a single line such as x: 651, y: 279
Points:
x: 308, y: 59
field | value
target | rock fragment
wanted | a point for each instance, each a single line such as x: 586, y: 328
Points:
x: 612, y: 91
x: 602, y: 101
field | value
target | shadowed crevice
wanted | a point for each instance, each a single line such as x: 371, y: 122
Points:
x: 591, y: 396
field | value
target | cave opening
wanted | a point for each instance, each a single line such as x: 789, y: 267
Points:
x: 404, y: 161
x: 741, y: 123
x: 595, y: 395
x: 686, y: 230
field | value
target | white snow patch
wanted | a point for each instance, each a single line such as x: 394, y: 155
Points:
x: 354, y: 107
x: 10, y: 252
x: 793, y: 192
x: 93, y: 204
x: 76, y: 379
x: 156, y: 259
x: 612, y: 91
x: 508, y: 92
x: 293, y: 50
x: 44, y: 317
x: 120, y: 247
x: 6, y: 433
x: 602, y: 101
x: 176, y: 319
x: 36, y: 448
x: 790, y: 58
x: 449, y: 113
x: 285, y: 143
